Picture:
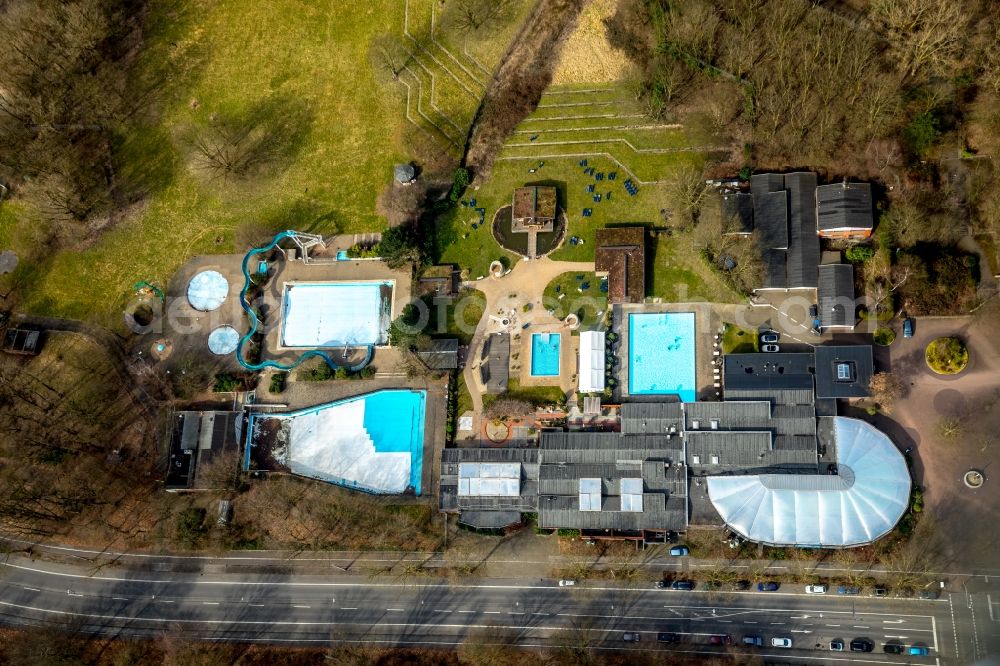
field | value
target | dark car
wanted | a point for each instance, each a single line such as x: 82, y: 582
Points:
x: 848, y: 589
x: 742, y: 585
x: 929, y: 594
x: 769, y: 337
x: 892, y: 648
x: 881, y: 591
x: 767, y: 587
x: 755, y: 641
x: 837, y: 645
x: 813, y: 311
x: 682, y: 585
x: 631, y: 636
x: 907, y: 328
x: 720, y: 640
x: 667, y: 637
x: 862, y: 645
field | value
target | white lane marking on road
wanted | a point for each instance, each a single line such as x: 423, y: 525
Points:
x: 491, y: 612
x: 514, y: 613
x: 167, y: 601
x: 861, y: 626
x: 349, y: 608
x: 893, y: 621
x: 33, y: 589
x: 954, y: 626
x: 896, y: 636
x: 750, y: 622
x: 466, y: 611
x: 833, y: 625
x: 438, y: 610
x: 119, y: 598
x: 257, y: 605
x: 397, y: 610
x: 207, y: 603
x: 934, y: 645
x: 298, y: 606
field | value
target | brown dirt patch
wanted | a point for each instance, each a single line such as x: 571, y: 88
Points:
x: 525, y: 72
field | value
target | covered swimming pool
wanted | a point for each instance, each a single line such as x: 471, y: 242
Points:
x: 545, y: 354
x: 373, y: 442
x: 661, y: 354
x: 335, y: 314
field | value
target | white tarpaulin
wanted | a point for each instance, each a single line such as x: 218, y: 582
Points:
x: 861, y: 503
x: 591, y: 361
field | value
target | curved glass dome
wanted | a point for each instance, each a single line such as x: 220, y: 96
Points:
x: 861, y: 503
x: 207, y: 291
x: 223, y: 340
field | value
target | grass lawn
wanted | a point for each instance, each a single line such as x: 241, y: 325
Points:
x: 585, y: 304
x: 736, y: 340
x: 536, y: 395
x: 462, y: 314
x: 304, y: 65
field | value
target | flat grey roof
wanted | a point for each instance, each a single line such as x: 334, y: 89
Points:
x: 737, y: 212
x: 851, y: 381
x: 844, y: 206
x: 768, y: 371
x: 494, y: 368
x: 803, y: 244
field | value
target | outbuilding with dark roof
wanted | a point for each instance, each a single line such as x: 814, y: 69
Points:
x: 844, y: 210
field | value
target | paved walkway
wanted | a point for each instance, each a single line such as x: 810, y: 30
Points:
x: 525, y: 283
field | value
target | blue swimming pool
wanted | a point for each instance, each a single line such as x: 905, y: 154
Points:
x: 661, y: 354
x: 335, y: 314
x: 372, y: 442
x: 545, y: 354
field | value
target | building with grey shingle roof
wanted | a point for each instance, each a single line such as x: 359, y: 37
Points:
x: 835, y: 296
x: 844, y: 210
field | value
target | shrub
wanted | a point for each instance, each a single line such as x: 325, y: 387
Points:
x: 858, y: 254
x: 947, y: 356
x: 190, y: 526
x: 278, y: 382
x: 884, y: 336
x: 569, y: 533
x: 459, y: 182
x: 226, y: 383
x: 745, y: 173
x: 922, y: 132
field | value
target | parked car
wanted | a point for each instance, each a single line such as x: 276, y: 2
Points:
x: 771, y: 348
x: 660, y: 584
x: 720, y: 640
x: 755, y: 641
x: 769, y: 337
x: 667, y: 637
x: 815, y: 589
x: 881, y: 591
x: 567, y: 583
x: 679, y: 551
x: 767, y: 587
x: 837, y: 645
x: 892, y: 648
x: 862, y: 645
x: 929, y: 594
x: 682, y: 585
x: 631, y: 636
x: 781, y: 642
x: 741, y: 585
x: 813, y: 311
x: 918, y: 651
x: 907, y: 328
x: 848, y: 589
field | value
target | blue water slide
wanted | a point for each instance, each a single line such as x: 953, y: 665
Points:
x: 255, y: 322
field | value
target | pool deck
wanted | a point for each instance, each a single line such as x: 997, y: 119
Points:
x: 188, y: 328
x: 569, y: 350
x: 706, y: 323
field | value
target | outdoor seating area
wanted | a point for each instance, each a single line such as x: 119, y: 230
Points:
x: 591, y: 188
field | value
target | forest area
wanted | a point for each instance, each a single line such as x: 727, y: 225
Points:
x: 904, y: 94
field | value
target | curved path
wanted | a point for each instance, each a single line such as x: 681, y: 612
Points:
x: 528, y: 280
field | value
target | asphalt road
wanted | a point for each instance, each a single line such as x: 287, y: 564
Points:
x: 315, y: 609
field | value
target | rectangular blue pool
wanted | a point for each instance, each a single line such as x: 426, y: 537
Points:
x: 545, y: 354
x: 661, y: 354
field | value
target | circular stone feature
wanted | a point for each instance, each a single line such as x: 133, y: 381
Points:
x: 572, y: 321
x: 973, y: 479
x: 223, y: 340
x: 207, y: 291
x: 947, y: 356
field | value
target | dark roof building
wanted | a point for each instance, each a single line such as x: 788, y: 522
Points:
x: 494, y: 363
x: 844, y: 371
x: 768, y: 372
x: 621, y: 257
x: 489, y: 487
x: 803, y: 243
x: 844, y: 210
x: 534, y: 209
x: 198, y: 439
x: 440, y: 354
x: 737, y: 213
x: 835, y: 296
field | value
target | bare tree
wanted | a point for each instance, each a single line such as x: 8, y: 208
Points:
x: 471, y: 16
x: 389, y: 55
x: 927, y: 35
x: 886, y: 388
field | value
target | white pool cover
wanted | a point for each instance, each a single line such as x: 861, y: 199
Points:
x: 223, y: 340
x: 333, y: 445
x: 334, y: 315
x: 860, y: 504
x: 207, y: 291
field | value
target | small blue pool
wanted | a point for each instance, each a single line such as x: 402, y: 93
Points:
x: 661, y: 354
x: 545, y: 354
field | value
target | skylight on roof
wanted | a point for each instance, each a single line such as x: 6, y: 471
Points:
x: 590, y: 494
x: 631, y: 494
